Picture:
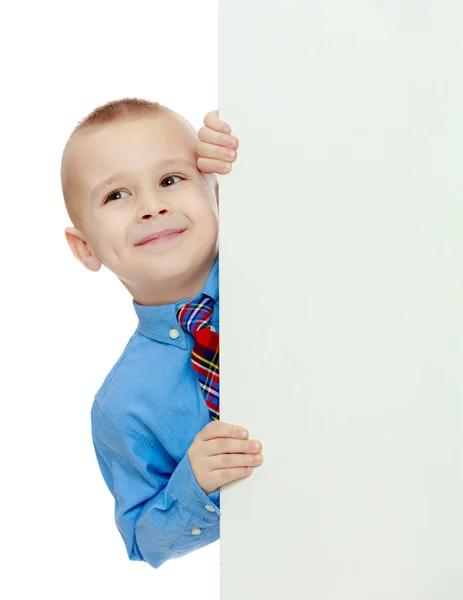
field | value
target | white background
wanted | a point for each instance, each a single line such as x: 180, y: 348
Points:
x: 62, y: 326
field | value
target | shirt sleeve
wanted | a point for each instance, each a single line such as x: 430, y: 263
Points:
x: 160, y: 515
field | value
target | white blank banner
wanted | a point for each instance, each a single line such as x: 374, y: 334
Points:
x: 342, y: 298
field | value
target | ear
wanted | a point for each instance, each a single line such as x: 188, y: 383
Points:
x: 81, y: 250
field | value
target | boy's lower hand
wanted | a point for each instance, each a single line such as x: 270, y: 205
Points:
x: 219, y: 455
x: 217, y: 149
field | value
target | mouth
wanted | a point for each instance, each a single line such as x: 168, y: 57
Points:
x: 163, y: 238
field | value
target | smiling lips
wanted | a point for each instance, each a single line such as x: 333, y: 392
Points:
x: 166, y: 234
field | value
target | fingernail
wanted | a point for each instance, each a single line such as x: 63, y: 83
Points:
x: 226, y: 128
x: 233, y: 142
x: 230, y: 153
x: 243, y: 433
x: 225, y: 168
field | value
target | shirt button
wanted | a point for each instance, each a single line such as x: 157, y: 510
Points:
x: 174, y: 334
x: 209, y: 508
x: 196, y: 531
x: 212, y: 328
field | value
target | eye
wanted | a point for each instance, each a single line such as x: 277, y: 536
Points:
x: 116, y: 195
x: 169, y: 181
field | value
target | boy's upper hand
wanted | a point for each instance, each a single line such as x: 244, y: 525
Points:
x: 217, y: 147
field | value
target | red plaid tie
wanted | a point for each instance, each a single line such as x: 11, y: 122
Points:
x: 195, y: 318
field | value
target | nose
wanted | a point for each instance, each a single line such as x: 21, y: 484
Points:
x: 150, y: 207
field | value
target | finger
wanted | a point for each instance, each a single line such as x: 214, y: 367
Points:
x: 213, y: 121
x: 212, y: 151
x: 232, y: 446
x: 210, y: 136
x: 224, y: 476
x: 210, y: 165
x: 231, y: 461
x: 221, y: 429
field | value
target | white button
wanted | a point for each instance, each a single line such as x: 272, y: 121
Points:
x: 174, y: 334
x: 212, y: 328
x: 196, y: 531
x: 209, y: 508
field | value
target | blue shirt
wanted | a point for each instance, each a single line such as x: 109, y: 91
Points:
x: 144, y: 419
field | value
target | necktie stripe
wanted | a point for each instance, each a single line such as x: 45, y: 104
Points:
x: 209, y: 364
x: 195, y: 317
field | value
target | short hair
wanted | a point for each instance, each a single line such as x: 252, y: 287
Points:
x: 120, y: 109
x: 116, y: 110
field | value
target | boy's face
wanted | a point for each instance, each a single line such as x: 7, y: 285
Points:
x: 132, y: 180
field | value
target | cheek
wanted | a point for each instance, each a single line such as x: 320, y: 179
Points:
x: 207, y: 218
x: 109, y: 237
x: 206, y: 205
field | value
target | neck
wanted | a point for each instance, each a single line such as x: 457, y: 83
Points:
x: 181, y: 288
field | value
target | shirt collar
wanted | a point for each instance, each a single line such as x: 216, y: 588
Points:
x: 160, y: 323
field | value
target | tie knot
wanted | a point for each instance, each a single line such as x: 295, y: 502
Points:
x: 196, y: 315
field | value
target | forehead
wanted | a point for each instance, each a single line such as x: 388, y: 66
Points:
x: 128, y: 146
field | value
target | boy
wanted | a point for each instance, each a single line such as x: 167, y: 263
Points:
x: 141, y: 191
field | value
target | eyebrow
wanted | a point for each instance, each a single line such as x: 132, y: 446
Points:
x: 169, y: 162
